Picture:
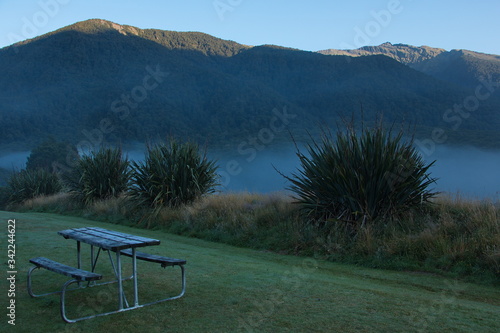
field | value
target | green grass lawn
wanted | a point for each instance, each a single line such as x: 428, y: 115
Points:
x: 231, y: 289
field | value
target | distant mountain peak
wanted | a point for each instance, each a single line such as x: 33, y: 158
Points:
x: 195, y: 41
x: 91, y: 26
x: 406, y: 54
x: 462, y: 67
x: 99, y: 25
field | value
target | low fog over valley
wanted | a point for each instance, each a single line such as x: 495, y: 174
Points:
x: 469, y: 172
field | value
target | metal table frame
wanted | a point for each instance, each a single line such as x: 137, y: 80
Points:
x: 110, y: 241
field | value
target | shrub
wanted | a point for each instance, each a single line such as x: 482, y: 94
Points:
x: 360, y: 176
x: 4, y: 197
x: 52, y: 155
x: 172, y: 174
x: 28, y: 184
x: 101, y: 175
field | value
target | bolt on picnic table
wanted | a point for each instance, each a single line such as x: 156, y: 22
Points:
x: 109, y: 241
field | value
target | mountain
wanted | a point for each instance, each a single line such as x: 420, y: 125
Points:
x: 97, y: 81
x: 460, y: 67
x: 403, y: 53
x: 195, y: 41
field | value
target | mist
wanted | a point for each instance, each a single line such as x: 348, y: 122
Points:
x: 469, y: 172
x: 13, y: 160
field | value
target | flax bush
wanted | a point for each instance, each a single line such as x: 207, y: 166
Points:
x: 172, y: 174
x: 103, y: 174
x: 358, y: 177
x: 28, y: 184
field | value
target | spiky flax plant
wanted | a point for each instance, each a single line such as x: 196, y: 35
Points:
x: 362, y: 176
x: 102, y: 174
x: 172, y: 174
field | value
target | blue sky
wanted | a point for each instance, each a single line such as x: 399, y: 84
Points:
x: 306, y: 25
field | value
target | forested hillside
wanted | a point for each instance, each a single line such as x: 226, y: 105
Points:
x: 100, y: 81
x: 461, y: 67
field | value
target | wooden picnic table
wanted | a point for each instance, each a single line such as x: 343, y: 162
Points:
x: 110, y: 241
x: 107, y: 241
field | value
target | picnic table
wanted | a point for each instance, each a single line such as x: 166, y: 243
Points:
x: 111, y: 242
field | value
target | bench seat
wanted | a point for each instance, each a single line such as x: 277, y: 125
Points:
x: 77, y: 276
x: 164, y: 261
x: 75, y: 273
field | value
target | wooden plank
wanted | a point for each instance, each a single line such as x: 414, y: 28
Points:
x: 81, y: 236
x: 149, y: 241
x: 56, y: 267
x: 107, y: 239
x: 165, y: 261
x: 122, y: 237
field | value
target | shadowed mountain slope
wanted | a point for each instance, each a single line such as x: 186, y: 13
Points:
x: 98, y: 81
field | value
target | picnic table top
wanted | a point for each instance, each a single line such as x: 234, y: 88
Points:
x: 107, y: 239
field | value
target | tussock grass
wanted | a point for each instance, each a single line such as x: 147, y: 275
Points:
x: 453, y: 236
x: 114, y: 210
x: 457, y: 236
x: 244, y: 219
x: 57, y: 203
x: 243, y: 211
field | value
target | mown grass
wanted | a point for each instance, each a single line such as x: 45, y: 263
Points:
x: 453, y: 237
x: 233, y: 289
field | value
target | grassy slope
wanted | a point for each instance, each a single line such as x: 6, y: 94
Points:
x: 231, y: 289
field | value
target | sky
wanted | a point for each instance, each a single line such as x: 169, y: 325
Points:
x: 305, y: 25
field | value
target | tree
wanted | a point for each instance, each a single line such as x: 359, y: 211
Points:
x: 51, y: 154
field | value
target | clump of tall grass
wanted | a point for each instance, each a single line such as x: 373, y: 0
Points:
x: 358, y: 177
x: 455, y: 236
x: 99, y: 175
x: 172, y: 174
x: 466, y: 236
x: 61, y: 202
x: 28, y: 184
x: 237, y: 211
x: 265, y: 221
x: 458, y: 236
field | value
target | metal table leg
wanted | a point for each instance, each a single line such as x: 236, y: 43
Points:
x: 79, y: 254
x: 134, y: 271
x: 119, y: 277
x: 79, y: 259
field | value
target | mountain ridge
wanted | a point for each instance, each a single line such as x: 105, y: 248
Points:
x: 404, y: 53
x: 65, y: 83
x: 463, y: 67
x: 166, y: 38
